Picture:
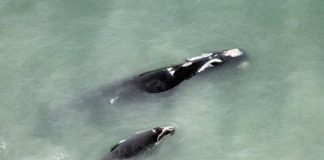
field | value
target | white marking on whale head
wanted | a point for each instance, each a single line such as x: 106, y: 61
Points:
x: 233, y: 52
x: 208, y: 64
x: 186, y: 64
x: 204, y: 55
x: 165, y: 131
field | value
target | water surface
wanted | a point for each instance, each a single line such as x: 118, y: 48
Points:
x: 52, y: 53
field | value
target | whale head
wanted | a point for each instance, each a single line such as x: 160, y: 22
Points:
x: 208, y: 60
x: 161, y: 132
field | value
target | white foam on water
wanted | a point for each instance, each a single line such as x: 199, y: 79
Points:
x: 113, y: 100
x: 233, y: 52
x: 3, y: 146
x: 60, y: 156
x: 244, y: 65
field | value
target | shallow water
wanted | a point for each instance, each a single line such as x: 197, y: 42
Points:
x: 53, y: 53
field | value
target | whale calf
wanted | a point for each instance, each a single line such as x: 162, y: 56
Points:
x: 138, y: 143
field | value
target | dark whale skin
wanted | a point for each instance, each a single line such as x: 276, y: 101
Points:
x: 132, y: 146
x: 138, y: 143
x: 161, y: 80
x: 157, y: 81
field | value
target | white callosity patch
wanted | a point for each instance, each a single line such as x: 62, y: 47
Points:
x: 186, y: 64
x: 208, y: 64
x: 205, y: 55
x: 171, y: 70
x: 233, y: 52
x: 169, y: 128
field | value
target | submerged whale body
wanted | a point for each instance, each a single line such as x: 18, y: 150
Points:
x: 163, y: 79
x: 138, y: 143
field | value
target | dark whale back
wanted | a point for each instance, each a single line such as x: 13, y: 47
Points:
x: 132, y: 146
x: 157, y: 81
x: 161, y: 79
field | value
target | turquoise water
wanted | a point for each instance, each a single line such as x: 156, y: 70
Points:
x: 52, y: 53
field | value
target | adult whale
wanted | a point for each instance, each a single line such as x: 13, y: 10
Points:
x: 163, y: 79
x: 138, y: 143
x: 159, y: 80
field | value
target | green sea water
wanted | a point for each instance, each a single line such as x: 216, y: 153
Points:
x: 53, y: 52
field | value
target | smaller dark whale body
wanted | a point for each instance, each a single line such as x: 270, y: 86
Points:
x: 163, y: 79
x: 138, y: 143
